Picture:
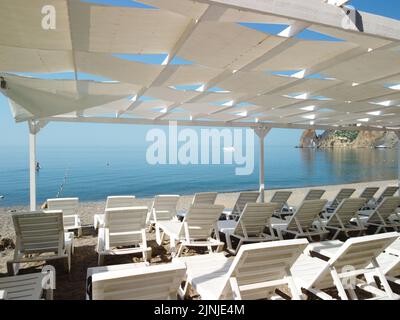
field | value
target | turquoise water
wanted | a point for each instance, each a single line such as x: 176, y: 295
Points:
x: 94, y: 173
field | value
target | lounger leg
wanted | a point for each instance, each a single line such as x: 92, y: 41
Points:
x: 100, y: 261
x: 159, y: 236
x: 182, y: 292
x: 296, y: 293
x: 10, y: 268
x: 80, y: 232
x: 173, y: 250
x: 383, y: 280
x: 336, y: 235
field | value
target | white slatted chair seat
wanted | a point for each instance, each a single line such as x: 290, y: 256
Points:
x: 255, y: 273
x: 201, y: 198
x: 382, y: 216
x: 69, y: 207
x: 344, y: 193
x: 341, y: 220
x: 356, y: 255
x: 136, y: 282
x: 281, y: 198
x: 27, y: 287
x: 301, y: 223
x: 40, y: 236
x: 242, y: 200
x: 163, y: 208
x: 250, y: 226
x: 195, y: 230
x: 312, y: 194
x: 124, y: 232
x: 113, y: 202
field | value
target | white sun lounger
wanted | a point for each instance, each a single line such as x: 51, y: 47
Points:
x: 368, y: 195
x: 69, y: 207
x: 163, y: 208
x: 390, y: 266
x: 135, y: 282
x: 40, y: 236
x: 242, y: 200
x: 281, y: 199
x: 346, y: 261
x: 383, y: 216
x: 250, y: 226
x: 254, y: 273
x: 342, y: 194
x: 301, y: 223
x: 195, y: 231
x: 111, y: 203
x: 27, y: 286
x: 123, y: 228
x: 312, y: 194
x: 343, y: 216
x: 388, y: 192
x: 201, y: 198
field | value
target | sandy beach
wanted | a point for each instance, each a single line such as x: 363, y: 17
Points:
x: 72, y: 286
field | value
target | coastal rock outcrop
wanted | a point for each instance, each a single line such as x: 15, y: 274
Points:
x: 348, y: 139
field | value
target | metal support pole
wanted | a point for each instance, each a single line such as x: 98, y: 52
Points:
x: 262, y: 132
x: 32, y: 170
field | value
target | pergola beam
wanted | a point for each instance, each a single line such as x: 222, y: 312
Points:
x: 221, y: 124
x: 318, y: 12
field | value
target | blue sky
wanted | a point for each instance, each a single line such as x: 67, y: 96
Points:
x: 104, y: 135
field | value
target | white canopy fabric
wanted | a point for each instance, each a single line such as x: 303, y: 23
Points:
x: 217, y: 68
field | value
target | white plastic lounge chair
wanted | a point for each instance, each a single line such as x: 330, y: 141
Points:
x: 28, y: 286
x: 136, y: 282
x: 242, y: 200
x: 343, y: 216
x: 163, y: 208
x: 123, y: 228
x: 312, y: 194
x: 281, y: 198
x: 201, y: 198
x: 390, y: 266
x: 113, y: 202
x: 394, y: 248
x: 69, y: 207
x: 255, y: 273
x: 40, y: 236
x: 196, y: 229
x: 368, y: 195
x: 301, y: 223
x: 388, y: 192
x: 347, y: 261
x: 250, y: 226
x: 342, y: 194
x: 384, y: 216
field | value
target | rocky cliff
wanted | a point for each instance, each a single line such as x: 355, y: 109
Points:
x: 348, y: 139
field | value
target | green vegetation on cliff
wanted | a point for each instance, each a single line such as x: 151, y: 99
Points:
x: 349, y: 135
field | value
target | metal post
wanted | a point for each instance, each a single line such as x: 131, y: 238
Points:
x: 262, y: 132
x: 32, y: 166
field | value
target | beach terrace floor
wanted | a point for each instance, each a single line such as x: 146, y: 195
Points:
x: 72, y: 286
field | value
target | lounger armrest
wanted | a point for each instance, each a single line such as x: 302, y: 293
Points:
x: 3, y: 294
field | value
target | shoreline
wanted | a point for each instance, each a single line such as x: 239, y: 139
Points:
x: 87, y: 209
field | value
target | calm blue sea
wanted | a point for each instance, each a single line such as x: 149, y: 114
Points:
x: 94, y: 173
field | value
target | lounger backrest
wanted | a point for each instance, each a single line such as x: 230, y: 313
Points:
x: 262, y: 262
x: 388, y: 192
x: 314, y: 194
x: 386, y: 208
x: 164, y: 206
x: 355, y: 254
x: 306, y: 214
x: 201, y: 220
x: 157, y: 282
x: 393, y: 269
x: 124, y: 225
x: 243, y: 199
x: 254, y: 218
x: 347, y: 209
x: 69, y: 206
x: 120, y: 202
x: 280, y: 198
x: 369, y: 193
x: 38, y: 232
x: 204, y: 198
x: 343, y: 194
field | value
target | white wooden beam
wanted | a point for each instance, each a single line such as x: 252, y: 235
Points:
x: 32, y: 165
x: 262, y: 132
x: 221, y: 124
x: 318, y: 12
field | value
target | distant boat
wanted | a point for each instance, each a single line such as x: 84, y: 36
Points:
x: 382, y: 146
x: 1, y: 197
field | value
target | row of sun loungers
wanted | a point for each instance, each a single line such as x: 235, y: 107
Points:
x: 122, y: 230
